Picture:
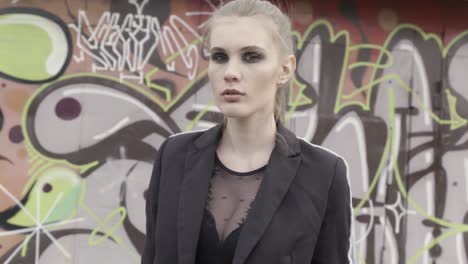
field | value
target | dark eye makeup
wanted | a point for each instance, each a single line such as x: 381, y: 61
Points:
x: 246, y: 56
x: 219, y: 57
x: 252, y: 57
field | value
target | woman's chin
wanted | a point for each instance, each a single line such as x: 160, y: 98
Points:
x: 235, y: 115
x: 234, y: 112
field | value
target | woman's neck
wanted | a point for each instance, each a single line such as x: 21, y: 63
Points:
x: 245, y: 137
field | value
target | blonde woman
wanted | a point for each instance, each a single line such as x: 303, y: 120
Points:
x: 247, y: 190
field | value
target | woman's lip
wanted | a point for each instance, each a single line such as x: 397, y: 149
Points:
x: 232, y: 92
x: 232, y: 97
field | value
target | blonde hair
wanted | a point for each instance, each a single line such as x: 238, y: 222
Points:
x: 283, y: 35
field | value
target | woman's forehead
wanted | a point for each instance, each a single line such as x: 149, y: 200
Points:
x: 239, y: 32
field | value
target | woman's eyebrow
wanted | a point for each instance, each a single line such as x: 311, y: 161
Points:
x: 218, y: 49
x: 255, y: 48
x: 246, y: 48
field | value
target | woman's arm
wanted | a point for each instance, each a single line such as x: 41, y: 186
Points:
x: 333, y: 243
x: 151, y: 208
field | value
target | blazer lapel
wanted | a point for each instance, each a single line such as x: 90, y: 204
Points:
x: 280, y: 172
x: 198, y: 169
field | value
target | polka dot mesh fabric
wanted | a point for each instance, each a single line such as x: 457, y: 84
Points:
x: 230, y: 196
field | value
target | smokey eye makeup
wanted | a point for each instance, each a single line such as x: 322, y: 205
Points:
x: 252, y: 54
x: 219, y: 57
x: 252, y: 57
x: 248, y: 54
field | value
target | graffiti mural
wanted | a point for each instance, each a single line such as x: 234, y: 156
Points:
x: 90, y: 89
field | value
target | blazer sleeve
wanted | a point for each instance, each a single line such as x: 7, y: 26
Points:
x: 333, y: 243
x: 151, y: 208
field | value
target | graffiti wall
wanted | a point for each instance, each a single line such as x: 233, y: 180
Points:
x: 90, y: 89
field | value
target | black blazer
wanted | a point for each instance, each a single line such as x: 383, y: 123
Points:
x: 301, y: 214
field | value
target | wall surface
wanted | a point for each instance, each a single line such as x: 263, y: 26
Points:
x: 90, y: 89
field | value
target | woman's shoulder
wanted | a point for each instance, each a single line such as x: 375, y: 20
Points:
x: 180, y: 141
x: 324, y: 161
x: 317, y: 152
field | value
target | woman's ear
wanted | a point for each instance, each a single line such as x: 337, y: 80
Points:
x: 287, y: 69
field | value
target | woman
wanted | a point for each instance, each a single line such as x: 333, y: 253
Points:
x: 247, y: 190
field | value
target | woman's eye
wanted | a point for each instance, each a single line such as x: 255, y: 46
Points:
x: 219, y: 57
x: 252, y: 57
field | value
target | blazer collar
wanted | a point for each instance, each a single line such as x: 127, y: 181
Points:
x: 287, y: 142
x: 280, y: 172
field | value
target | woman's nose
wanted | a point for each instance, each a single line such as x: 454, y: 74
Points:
x: 232, y: 73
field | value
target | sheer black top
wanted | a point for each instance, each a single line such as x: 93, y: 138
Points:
x: 229, y: 198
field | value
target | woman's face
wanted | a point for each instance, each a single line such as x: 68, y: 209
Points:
x: 244, y: 66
